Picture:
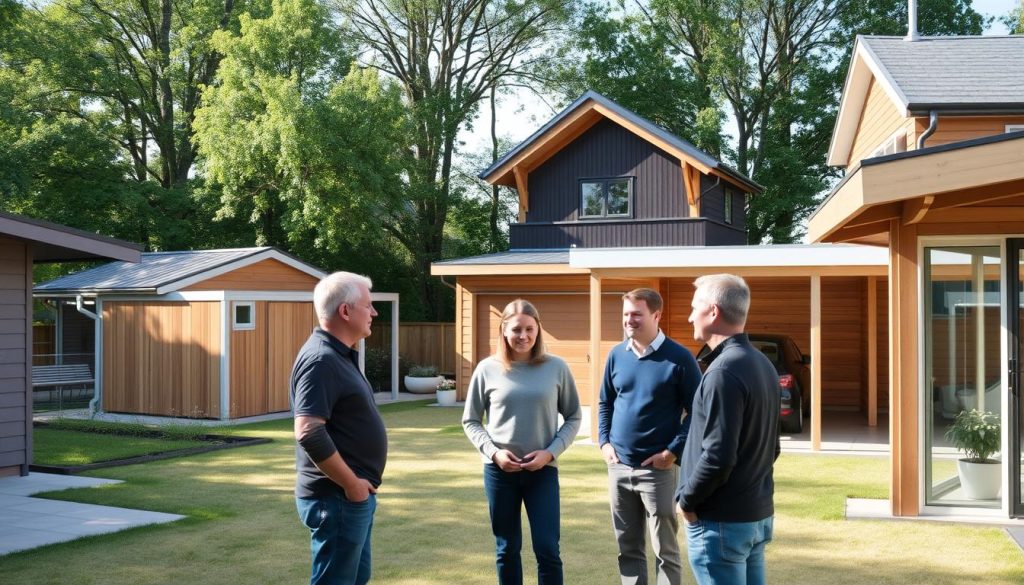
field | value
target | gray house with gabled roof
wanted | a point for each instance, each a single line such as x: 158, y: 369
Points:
x: 23, y: 242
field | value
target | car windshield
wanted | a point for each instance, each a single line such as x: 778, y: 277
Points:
x: 770, y: 349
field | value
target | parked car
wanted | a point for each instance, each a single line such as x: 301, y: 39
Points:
x: 794, y: 376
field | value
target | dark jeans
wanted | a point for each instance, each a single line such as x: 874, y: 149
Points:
x: 506, y: 494
x: 340, y: 538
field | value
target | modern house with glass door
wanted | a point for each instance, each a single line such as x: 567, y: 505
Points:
x: 931, y: 132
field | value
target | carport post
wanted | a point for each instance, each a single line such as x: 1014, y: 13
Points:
x: 872, y: 351
x: 816, y: 362
x: 594, y: 355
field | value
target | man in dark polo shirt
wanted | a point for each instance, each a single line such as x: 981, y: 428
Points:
x: 342, y: 444
x: 726, y: 485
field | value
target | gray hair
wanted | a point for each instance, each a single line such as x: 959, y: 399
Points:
x: 729, y: 292
x: 337, y: 289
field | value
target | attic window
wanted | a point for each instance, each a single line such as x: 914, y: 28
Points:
x: 606, y: 197
x: 243, y: 315
x: 895, y: 143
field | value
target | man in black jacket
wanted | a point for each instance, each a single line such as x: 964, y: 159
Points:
x: 725, y: 487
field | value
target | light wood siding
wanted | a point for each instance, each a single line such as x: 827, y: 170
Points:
x: 782, y: 305
x: 268, y: 274
x: 262, y: 358
x: 878, y: 121
x: 566, y: 326
x: 162, y: 358
x: 957, y: 129
x: 290, y: 325
x: 15, y: 355
x: 248, y: 367
x: 882, y: 343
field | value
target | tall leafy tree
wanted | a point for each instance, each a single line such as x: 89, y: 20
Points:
x: 305, y: 148
x: 446, y: 55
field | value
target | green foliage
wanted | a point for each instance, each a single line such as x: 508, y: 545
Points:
x: 423, y: 371
x: 977, y: 434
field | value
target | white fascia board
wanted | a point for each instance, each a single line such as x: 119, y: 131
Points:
x: 383, y: 297
x: 241, y: 263
x: 730, y: 256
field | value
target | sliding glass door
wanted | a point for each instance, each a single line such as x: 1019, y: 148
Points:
x: 963, y: 333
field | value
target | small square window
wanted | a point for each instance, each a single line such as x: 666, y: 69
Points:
x: 244, y: 316
x: 605, y: 197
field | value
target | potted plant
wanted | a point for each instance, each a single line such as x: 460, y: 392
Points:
x: 422, y: 379
x: 977, y: 434
x: 446, y: 392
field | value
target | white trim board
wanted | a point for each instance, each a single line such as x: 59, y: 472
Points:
x: 240, y: 263
x: 730, y: 256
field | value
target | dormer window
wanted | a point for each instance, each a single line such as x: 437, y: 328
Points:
x: 606, y: 197
x: 895, y: 143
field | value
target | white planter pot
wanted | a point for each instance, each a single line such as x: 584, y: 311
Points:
x: 446, y: 397
x: 981, y: 481
x: 422, y: 385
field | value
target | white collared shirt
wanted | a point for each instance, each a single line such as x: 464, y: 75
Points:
x: 651, y: 347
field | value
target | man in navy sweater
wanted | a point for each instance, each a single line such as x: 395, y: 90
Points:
x: 649, y: 383
x: 726, y: 486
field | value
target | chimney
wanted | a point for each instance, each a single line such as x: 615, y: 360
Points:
x: 912, y: 24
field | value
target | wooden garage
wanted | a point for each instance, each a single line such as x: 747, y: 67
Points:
x: 197, y: 334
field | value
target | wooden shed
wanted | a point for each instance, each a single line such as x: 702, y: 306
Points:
x: 25, y: 241
x: 197, y: 334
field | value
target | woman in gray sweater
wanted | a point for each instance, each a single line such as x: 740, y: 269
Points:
x: 520, y: 391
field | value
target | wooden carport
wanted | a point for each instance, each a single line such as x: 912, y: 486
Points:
x: 958, y: 190
x: 671, y: 270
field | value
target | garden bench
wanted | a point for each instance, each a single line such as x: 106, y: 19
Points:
x: 61, y: 375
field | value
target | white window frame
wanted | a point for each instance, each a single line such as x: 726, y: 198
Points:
x: 891, y: 145
x: 1015, y: 127
x: 235, y: 324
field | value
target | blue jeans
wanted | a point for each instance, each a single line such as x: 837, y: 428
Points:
x: 728, y: 553
x: 506, y: 494
x: 340, y: 538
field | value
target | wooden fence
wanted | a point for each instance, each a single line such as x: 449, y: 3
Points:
x: 423, y: 344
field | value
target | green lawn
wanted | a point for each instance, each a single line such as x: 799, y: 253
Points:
x: 80, y: 442
x: 432, y: 527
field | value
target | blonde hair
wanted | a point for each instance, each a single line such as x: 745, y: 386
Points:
x: 729, y: 292
x: 520, y: 307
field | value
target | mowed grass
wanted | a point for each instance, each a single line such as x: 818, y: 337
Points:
x: 65, y: 447
x: 432, y: 527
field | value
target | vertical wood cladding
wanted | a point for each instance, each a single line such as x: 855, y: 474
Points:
x: 624, y: 234
x: 607, y: 150
x: 15, y: 328
x: 162, y: 358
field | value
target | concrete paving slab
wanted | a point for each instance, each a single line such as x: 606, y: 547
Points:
x: 27, y: 522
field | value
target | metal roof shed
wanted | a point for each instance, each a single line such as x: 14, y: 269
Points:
x: 198, y: 334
